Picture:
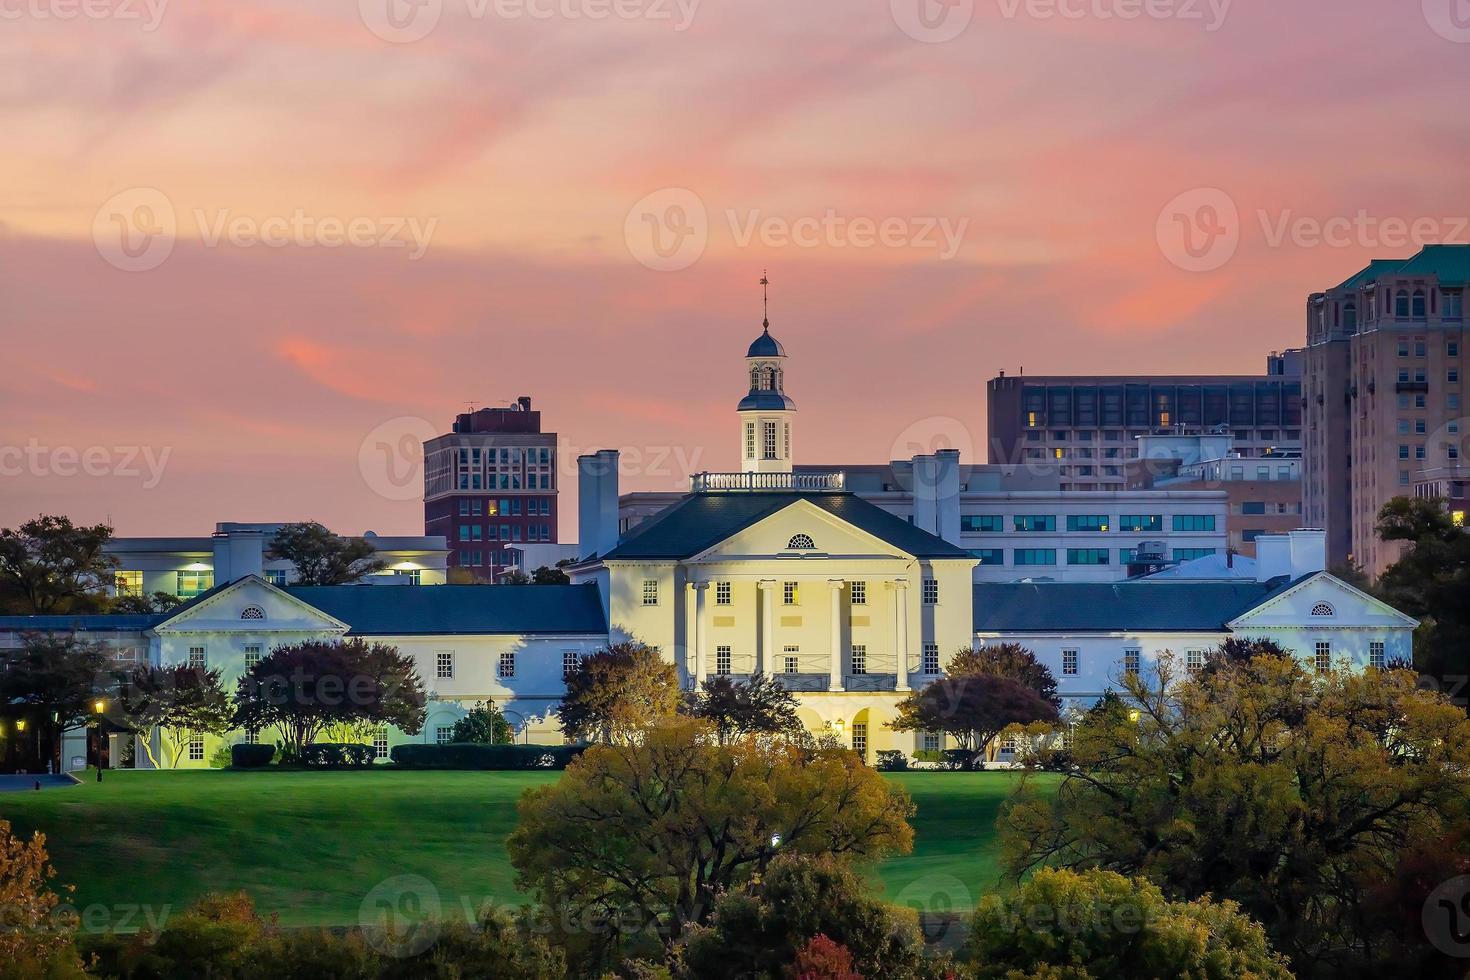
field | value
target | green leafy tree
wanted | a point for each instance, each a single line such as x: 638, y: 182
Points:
x: 760, y: 705
x: 50, y: 565
x: 641, y: 838
x: 1288, y: 792
x: 1115, y: 928
x: 323, y: 558
x: 757, y: 929
x: 483, y: 724
x: 613, y: 695
x: 550, y: 576
x: 1011, y: 660
x: 973, y: 709
x: 1431, y: 582
x: 303, y: 689
x: 181, y: 700
x: 52, y: 681
x: 158, y: 602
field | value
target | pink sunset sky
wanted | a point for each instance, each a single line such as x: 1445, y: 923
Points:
x: 536, y: 140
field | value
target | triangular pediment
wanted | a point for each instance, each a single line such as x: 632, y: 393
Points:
x: 1321, y: 601
x: 250, y: 605
x: 788, y: 531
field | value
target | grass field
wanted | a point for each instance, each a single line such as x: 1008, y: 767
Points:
x: 310, y: 846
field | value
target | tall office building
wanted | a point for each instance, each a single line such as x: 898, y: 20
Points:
x: 489, y: 486
x: 1384, y: 397
x: 1090, y: 425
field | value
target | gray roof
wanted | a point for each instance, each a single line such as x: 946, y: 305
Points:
x: 432, y: 610
x: 766, y: 346
x: 702, y: 520
x: 89, y: 623
x: 1106, y: 607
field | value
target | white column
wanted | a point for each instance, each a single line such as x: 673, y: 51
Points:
x: 836, y: 585
x: 765, y: 657
x: 901, y: 631
x: 701, y: 634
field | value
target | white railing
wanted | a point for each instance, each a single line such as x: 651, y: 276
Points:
x: 800, y: 482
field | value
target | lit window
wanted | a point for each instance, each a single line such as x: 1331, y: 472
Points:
x: 507, y: 666
x: 129, y: 583
x: 194, y: 584
x: 789, y: 593
x: 444, y: 664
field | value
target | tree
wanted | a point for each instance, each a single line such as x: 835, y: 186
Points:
x: 1115, y: 927
x: 32, y: 936
x: 50, y: 565
x: 617, y: 692
x: 550, y: 576
x: 1240, y: 649
x: 181, y: 700
x: 52, y: 681
x: 1431, y: 582
x: 1288, y: 792
x: 158, y: 602
x: 304, y: 688
x: 760, y: 705
x: 973, y: 709
x: 643, y: 837
x: 759, y: 928
x: 1006, y: 660
x: 483, y: 724
x: 324, y: 558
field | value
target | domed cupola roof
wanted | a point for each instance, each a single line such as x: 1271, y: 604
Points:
x: 765, y: 345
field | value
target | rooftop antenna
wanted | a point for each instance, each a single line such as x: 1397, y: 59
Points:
x: 765, y: 303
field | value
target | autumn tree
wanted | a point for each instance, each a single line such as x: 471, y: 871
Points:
x: 323, y: 558
x: 761, y: 705
x: 180, y: 699
x: 614, y: 694
x: 50, y: 565
x: 34, y: 939
x: 973, y: 709
x: 1013, y: 660
x: 640, y: 838
x: 1112, y: 926
x: 1288, y: 792
x: 303, y: 689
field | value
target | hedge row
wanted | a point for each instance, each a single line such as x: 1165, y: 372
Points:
x: 466, y: 755
x: 338, y: 755
x: 244, y: 755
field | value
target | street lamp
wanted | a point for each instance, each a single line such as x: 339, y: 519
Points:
x: 1133, y: 716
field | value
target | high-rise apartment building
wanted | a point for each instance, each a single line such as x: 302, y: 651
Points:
x: 1090, y: 425
x: 489, y: 486
x: 1385, y: 412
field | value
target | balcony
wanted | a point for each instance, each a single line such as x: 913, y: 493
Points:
x: 804, y: 682
x: 768, y: 482
x: 870, y: 682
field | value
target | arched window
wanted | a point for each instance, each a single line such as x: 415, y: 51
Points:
x: 755, y: 379
x: 252, y: 612
x: 1401, y: 303
x: 1420, y: 311
x: 770, y: 379
x: 1323, y: 609
x: 801, y: 542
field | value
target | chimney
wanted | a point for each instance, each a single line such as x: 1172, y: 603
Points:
x: 1308, y: 551
x: 597, y: 503
x: 1273, y: 556
x: 936, y: 489
x: 525, y: 402
x: 237, y: 553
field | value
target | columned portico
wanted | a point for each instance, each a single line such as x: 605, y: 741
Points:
x: 836, y: 584
x: 900, y: 590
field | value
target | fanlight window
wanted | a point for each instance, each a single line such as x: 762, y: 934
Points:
x: 801, y: 542
x: 1323, y: 609
x: 252, y: 612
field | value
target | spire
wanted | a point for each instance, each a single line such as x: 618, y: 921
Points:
x: 765, y: 304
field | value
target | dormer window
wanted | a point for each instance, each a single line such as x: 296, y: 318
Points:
x: 1323, y: 609
x: 801, y: 542
x: 252, y: 612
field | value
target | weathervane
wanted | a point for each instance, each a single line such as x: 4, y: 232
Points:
x: 765, y: 303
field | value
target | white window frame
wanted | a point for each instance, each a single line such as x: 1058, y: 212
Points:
x: 253, y: 654
x: 791, y: 659
x: 1377, y: 654
x: 1322, y: 656
x: 931, y: 591
x: 859, y: 658
x: 380, y: 744
x: 570, y: 661
x: 722, y: 593
x: 723, y: 658
x: 790, y: 593
x: 650, y: 592
x: 929, y: 663
x: 859, y: 593
x: 196, y: 747
x: 198, y: 658
x: 1071, y: 659
x: 1194, y: 660
x: 1132, y: 660
x: 444, y: 735
x: 444, y: 665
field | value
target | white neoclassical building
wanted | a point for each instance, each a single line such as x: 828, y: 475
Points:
x: 773, y: 569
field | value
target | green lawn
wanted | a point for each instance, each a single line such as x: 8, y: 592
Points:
x: 310, y: 846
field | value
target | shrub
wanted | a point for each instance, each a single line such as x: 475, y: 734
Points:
x: 244, y: 755
x: 337, y: 755
x: 892, y: 760
x: 468, y: 755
